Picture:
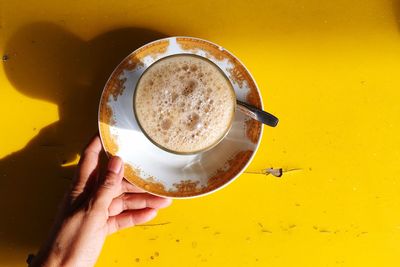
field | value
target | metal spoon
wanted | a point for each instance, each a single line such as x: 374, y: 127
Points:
x: 257, y: 114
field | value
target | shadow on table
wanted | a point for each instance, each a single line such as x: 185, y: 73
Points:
x: 47, y: 62
x: 396, y: 12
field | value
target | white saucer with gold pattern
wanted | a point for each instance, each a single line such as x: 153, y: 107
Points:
x: 160, y: 172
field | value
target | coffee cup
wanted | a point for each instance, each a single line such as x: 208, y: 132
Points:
x: 184, y: 104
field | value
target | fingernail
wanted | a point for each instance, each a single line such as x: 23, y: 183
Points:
x: 115, y: 164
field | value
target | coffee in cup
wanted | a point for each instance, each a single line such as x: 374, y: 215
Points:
x: 184, y: 103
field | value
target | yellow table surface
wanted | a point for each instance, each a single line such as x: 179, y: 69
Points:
x: 328, y: 69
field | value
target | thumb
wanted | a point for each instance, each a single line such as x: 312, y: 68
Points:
x: 110, y: 186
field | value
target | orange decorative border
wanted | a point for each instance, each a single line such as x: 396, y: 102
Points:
x: 188, y: 188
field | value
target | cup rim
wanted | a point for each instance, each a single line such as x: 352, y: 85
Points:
x: 232, y: 90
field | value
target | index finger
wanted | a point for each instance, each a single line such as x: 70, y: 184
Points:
x: 88, y: 163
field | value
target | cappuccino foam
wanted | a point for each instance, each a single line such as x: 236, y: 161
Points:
x: 184, y: 103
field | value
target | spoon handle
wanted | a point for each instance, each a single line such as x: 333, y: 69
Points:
x: 257, y: 114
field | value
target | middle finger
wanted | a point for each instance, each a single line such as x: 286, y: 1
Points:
x: 134, y: 201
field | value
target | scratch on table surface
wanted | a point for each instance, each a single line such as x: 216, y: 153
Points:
x: 263, y: 229
x: 362, y: 233
x: 322, y: 230
x: 277, y: 172
x: 152, y: 224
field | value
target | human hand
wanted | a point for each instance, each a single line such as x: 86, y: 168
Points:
x: 93, y: 208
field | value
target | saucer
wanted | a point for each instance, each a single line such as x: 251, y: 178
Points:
x: 155, y: 170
